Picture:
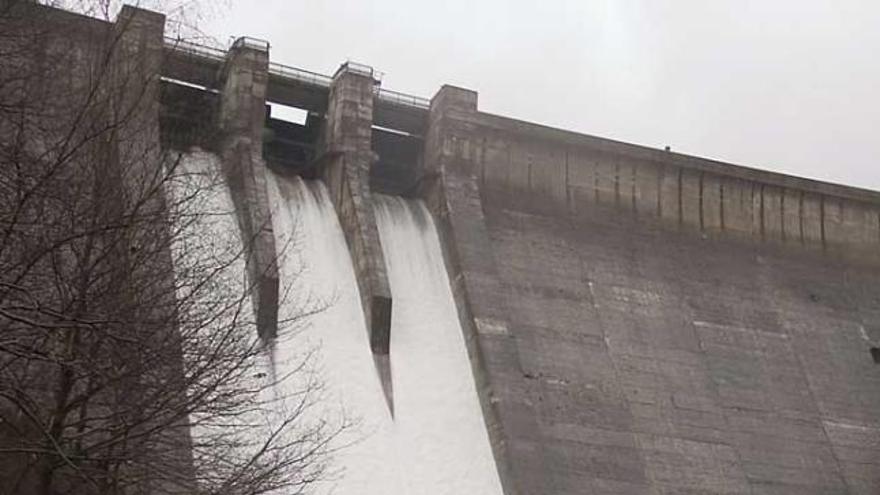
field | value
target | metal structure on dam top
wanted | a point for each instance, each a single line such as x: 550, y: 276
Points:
x: 204, y: 61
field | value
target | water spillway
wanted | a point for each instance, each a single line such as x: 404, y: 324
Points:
x: 436, y: 442
x: 439, y: 426
x: 627, y: 345
x: 317, y: 277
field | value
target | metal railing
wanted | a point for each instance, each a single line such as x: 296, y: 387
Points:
x: 402, y: 98
x: 195, y: 49
x: 298, y: 74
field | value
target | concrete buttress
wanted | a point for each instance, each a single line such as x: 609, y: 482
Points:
x: 452, y: 193
x: 347, y: 157
x: 241, y: 119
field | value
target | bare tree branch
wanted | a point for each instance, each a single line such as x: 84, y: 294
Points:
x: 129, y: 357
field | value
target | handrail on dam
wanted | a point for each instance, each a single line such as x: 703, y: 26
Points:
x: 294, y: 73
x: 180, y: 45
x: 403, y: 98
x: 298, y: 74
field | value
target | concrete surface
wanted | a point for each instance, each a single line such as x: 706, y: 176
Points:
x: 637, y: 321
x: 640, y: 325
x: 242, y: 114
x: 346, y: 161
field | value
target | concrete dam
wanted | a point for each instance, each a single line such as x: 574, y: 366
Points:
x: 525, y: 310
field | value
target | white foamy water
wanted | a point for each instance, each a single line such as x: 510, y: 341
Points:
x: 216, y: 314
x: 316, y: 269
x: 439, y: 428
x: 210, y: 235
x: 437, y: 442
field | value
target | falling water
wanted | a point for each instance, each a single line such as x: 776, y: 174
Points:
x: 211, y: 282
x: 202, y: 197
x: 439, y: 428
x: 436, y: 443
x: 317, y: 275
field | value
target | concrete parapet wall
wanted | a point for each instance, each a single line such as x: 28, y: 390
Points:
x: 542, y: 169
x: 241, y: 120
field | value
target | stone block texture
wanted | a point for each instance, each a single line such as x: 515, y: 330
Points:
x: 346, y: 160
x: 647, y: 323
x: 348, y: 157
x: 241, y: 119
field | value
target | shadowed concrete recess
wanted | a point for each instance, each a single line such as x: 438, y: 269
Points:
x: 637, y: 321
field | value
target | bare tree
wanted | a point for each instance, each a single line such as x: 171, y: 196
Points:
x: 129, y: 360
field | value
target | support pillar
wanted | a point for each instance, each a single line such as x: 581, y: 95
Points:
x: 348, y: 156
x: 137, y: 165
x: 242, y: 117
x: 451, y: 190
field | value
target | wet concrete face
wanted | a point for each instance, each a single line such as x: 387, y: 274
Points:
x: 241, y: 119
x: 349, y: 158
x: 649, y: 323
x: 654, y: 361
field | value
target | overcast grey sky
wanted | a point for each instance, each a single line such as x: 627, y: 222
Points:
x: 785, y: 85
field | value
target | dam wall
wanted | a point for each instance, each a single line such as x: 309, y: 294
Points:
x: 553, y: 170
x: 647, y: 322
x: 637, y: 321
